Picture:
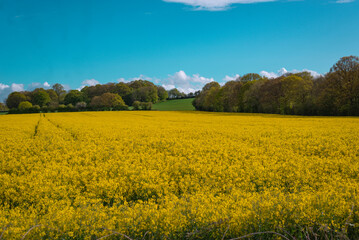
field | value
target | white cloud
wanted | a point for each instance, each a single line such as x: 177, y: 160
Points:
x: 185, y: 83
x: 268, y: 74
x: 141, y: 77
x: 5, y: 90
x: 122, y: 80
x: 216, y: 5
x: 168, y: 86
x: 35, y: 85
x: 283, y: 71
x: 344, y: 1
x: 17, y: 87
x: 3, y: 86
x: 230, y: 78
x: 88, y: 82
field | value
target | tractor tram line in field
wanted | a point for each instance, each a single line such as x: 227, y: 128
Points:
x: 177, y: 175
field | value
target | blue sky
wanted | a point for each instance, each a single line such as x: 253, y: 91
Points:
x: 181, y: 43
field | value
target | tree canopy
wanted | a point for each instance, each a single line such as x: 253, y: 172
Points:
x: 336, y: 93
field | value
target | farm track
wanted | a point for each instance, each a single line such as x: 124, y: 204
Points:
x: 61, y: 128
x: 37, y: 128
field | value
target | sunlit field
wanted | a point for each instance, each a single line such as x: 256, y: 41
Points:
x: 177, y: 175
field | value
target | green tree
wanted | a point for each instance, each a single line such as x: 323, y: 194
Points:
x: 3, y: 107
x: 53, y: 95
x: 295, y: 93
x: 124, y: 91
x: 174, y: 94
x: 60, y: 91
x: 213, y: 100
x: 40, y: 97
x: 146, y: 105
x: 145, y: 94
x: 270, y: 94
x: 231, y: 92
x: 81, y: 105
x: 107, y: 100
x: 25, y: 106
x: 344, y: 76
x: 162, y: 93
x: 244, y: 88
x: 140, y: 83
x: 14, y: 99
x: 204, y: 100
x: 74, y: 96
x: 250, y: 77
x: 251, y: 98
x: 136, y: 105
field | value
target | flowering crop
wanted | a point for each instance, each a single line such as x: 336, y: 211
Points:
x: 177, y: 175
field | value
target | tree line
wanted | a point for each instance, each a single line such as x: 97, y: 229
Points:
x: 336, y: 93
x: 140, y: 94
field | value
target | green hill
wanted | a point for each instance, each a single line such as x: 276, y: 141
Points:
x: 175, y: 105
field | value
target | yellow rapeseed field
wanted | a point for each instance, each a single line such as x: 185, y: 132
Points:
x: 177, y: 175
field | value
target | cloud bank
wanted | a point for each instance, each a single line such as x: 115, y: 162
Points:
x: 283, y: 71
x: 215, y: 5
x: 230, y: 78
x: 344, y: 1
x: 185, y: 83
x: 221, y: 5
x: 88, y: 83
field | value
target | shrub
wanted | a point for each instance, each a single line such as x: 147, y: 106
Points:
x: 35, y: 109
x: 81, y: 105
x: 45, y: 109
x: 136, y: 105
x: 61, y: 108
x: 146, y: 105
x: 25, y: 106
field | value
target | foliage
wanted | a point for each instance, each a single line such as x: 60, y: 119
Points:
x: 14, y: 99
x: 250, y: 77
x: 145, y: 94
x: 337, y: 93
x: 136, y: 105
x: 74, y: 96
x: 41, y: 97
x: 93, y: 97
x: 3, y: 107
x: 59, y: 89
x: 162, y: 93
x: 146, y: 105
x: 175, y: 94
x: 178, y: 175
x: 107, y: 100
x: 81, y: 105
x: 24, y: 106
x: 125, y: 92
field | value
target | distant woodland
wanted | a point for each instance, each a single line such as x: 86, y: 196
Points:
x: 139, y: 94
x: 335, y: 94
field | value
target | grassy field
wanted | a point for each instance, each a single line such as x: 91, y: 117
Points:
x: 178, y: 175
x: 175, y: 105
